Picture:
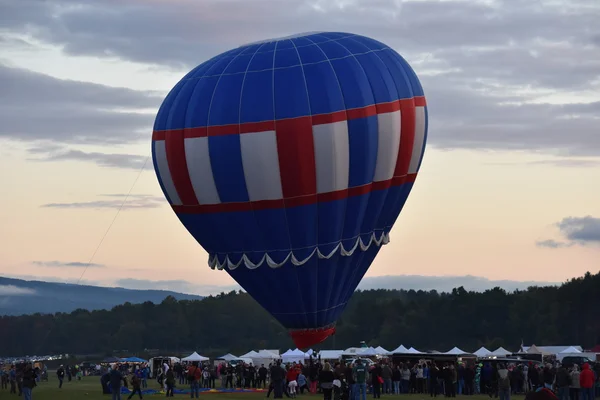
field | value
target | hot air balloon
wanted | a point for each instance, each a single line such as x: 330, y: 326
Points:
x: 289, y: 160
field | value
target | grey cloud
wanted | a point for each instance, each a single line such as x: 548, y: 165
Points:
x: 180, y: 286
x: 552, y: 244
x: 576, y: 231
x: 557, y: 162
x: 573, y: 162
x: 11, y: 290
x: 537, y: 65
x: 466, y: 115
x: 483, y: 64
x: 444, y: 283
x: 157, y: 32
x: 582, y: 230
x: 73, y: 264
x: 133, y: 202
x: 111, y: 160
x: 36, y: 107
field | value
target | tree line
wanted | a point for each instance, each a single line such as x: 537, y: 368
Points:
x: 233, y: 322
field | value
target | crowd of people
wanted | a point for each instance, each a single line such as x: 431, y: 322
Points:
x: 340, y: 380
x: 21, y: 378
x: 336, y: 381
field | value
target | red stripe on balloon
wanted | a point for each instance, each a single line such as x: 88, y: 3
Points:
x: 407, y: 136
x: 295, y: 201
x: 296, y: 152
x: 318, y: 119
x: 175, y: 149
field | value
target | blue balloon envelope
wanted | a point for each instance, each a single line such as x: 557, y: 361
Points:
x: 289, y: 160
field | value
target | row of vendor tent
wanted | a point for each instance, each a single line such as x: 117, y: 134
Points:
x: 499, y: 352
x: 558, y: 351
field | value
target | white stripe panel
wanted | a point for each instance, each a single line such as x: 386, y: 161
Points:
x: 332, y: 156
x: 261, y: 165
x: 200, y: 170
x: 388, y: 145
x: 417, y: 151
x: 160, y: 155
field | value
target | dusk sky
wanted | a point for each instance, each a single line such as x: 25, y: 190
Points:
x: 508, y: 193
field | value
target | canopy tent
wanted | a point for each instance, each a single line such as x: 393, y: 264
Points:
x: 548, y: 350
x: 501, y: 352
x: 483, y: 352
x: 412, y: 350
x: 570, y: 350
x: 133, y: 360
x: 400, y: 350
x: 111, y: 359
x: 353, y: 351
x: 533, y: 350
x: 367, y: 352
x: 330, y: 354
x: 381, y: 351
x: 228, y: 357
x: 309, y: 353
x: 195, y: 357
x: 455, y: 352
x: 269, y: 354
x: 260, y: 357
x: 293, y: 356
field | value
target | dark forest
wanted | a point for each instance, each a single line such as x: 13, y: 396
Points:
x: 234, y: 322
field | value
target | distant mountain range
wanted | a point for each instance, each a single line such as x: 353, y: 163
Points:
x: 19, y: 297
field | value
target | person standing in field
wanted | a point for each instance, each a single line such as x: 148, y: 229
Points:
x: 575, y: 385
x: 135, y: 386
x: 586, y: 381
x: 170, y: 382
x: 28, y: 382
x: 359, y: 374
x: 60, y: 373
x: 115, y: 382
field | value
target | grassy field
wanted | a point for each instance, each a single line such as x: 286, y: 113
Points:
x: 90, y: 389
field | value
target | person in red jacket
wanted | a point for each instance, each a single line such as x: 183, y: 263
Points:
x: 292, y: 373
x: 586, y: 380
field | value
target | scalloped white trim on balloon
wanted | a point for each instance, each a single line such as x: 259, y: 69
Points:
x: 213, y: 260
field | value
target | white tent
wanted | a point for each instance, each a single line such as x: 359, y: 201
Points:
x: 367, y: 352
x: 483, y: 352
x: 381, y: 351
x: 412, y: 350
x: 570, y: 350
x: 309, y: 353
x: 259, y: 357
x: 455, y: 352
x: 269, y: 354
x: 194, y: 357
x: 501, y: 352
x: 400, y: 350
x: 330, y: 354
x: 293, y: 356
x: 353, y: 351
x: 228, y: 357
x: 266, y: 357
x: 251, y: 354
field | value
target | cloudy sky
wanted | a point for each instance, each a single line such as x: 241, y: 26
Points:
x: 508, y: 191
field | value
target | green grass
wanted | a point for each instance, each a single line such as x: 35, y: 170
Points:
x: 90, y: 389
